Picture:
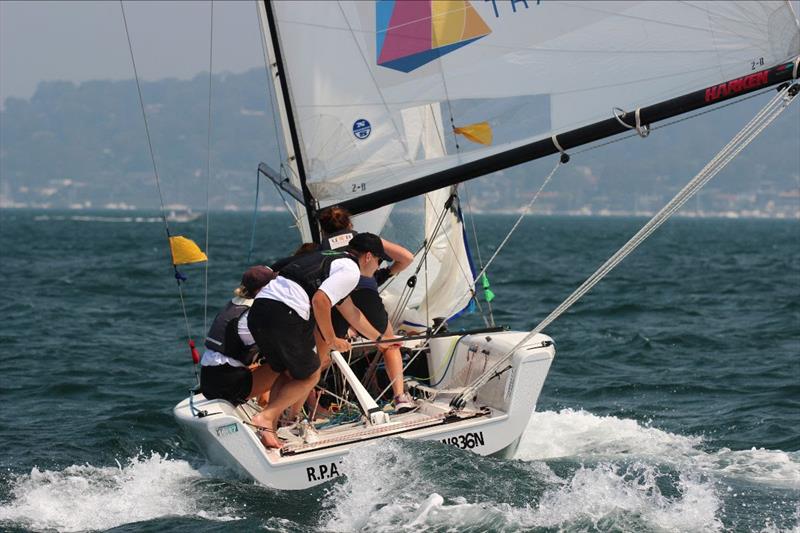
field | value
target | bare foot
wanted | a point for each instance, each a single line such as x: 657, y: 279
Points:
x: 269, y: 439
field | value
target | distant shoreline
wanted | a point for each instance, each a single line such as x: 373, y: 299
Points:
x: 585, y: 213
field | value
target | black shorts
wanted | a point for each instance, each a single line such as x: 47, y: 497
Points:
x: 226, y: 382
x: 370, y: 303
x: 285, y: 340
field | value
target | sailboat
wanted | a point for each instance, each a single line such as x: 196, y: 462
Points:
x: 382, y: 102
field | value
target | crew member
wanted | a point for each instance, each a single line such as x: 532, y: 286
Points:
x: 337, y: 229
x: 230, y: 349
x: 293, y: 313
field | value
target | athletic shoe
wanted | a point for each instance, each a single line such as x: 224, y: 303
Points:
x: 403, y: 403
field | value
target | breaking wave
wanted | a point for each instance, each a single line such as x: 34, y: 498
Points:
x: 85, y: 497
x: 580, y: 434
x: 592, y: 472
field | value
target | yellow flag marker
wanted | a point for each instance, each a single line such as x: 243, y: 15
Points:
x: 480, y: 132
x: 185, y: 251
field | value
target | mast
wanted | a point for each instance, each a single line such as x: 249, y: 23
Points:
x: 288, y: 122
x: 577, y: 137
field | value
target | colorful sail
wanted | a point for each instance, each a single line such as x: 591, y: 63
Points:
x: 353, y: 67
x: 411, y: 34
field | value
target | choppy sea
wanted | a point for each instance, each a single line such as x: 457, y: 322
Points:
x: 673, y: 403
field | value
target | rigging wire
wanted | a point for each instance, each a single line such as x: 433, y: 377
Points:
x: 483, y: 270
x: 454, y: 206
x: 208, y: 165
x: 283, y: 159
x: 525, y: 210
x: 519, y: 219
x: 178, y: 275
x: 742, y: 139
x: 407, y: 291
x: 458, y: 153
x: 490, y: 320
x: 497, y: 366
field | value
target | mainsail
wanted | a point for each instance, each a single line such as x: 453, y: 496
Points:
x: 354, y: 67
x: 373, y: 93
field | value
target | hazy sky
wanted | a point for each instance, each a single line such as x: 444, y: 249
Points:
x: 79, y: 41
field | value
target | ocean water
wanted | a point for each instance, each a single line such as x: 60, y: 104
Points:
x: 673, y: 403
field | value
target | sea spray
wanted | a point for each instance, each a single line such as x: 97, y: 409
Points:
x: 86, y: 497
x: 583, y: 435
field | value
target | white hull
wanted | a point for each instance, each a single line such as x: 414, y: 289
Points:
x: 492, y: 424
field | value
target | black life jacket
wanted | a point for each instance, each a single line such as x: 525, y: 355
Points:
x: 311, y: 269
x: 223, y: 336
x: 337, y: 240
x: 340, y: 239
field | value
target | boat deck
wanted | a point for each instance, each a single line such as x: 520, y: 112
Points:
x: 427, y: 414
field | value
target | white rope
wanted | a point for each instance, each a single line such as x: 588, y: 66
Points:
x: 642, y: 130
x: 796, y: 65
x: 557, y: 144
x: 765, y: 117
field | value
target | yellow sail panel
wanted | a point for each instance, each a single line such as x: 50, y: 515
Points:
x: 480, y: 132
x: 474, y: 26
x: 185, y: 251
x: 447, y: 22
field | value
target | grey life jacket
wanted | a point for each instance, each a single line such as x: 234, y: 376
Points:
x: 337, y: 240
x: 223, y: 336
x: 311, y: 269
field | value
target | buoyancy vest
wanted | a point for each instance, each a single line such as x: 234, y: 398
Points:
x: 311, y: 269
x: 223, y: 336
x: 337, y: 240
x: 341, y: 239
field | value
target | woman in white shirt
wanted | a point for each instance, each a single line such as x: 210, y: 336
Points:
x: 230, y: 349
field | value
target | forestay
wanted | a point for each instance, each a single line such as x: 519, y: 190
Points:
x: 356, y: 68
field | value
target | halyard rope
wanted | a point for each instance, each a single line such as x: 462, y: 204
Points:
x: 762, y: 119
x: 155, y: 172
x: 208, y: 164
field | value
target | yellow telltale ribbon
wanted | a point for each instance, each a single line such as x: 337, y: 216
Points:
x: 185, y: 251
x: 480, y: 132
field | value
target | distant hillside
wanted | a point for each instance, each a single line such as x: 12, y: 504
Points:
x: 85, y: 144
